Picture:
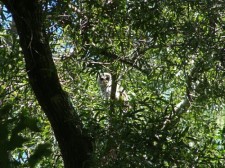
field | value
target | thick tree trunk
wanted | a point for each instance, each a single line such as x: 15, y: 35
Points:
x: 75, y: 147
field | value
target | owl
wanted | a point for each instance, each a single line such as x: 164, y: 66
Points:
x: 105, y: 84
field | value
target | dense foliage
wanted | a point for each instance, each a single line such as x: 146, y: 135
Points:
x: 169, y: 57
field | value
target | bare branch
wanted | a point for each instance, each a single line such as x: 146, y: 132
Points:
x: 123, y: 60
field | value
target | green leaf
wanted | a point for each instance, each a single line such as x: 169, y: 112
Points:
x: 16, y: 141
x: 42, y: 150
x: 32, y: 124
x: 4, y: 110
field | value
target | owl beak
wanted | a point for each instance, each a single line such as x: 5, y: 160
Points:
x: 105, y: 81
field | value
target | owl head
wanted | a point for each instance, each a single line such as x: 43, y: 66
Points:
x: 105, y: 79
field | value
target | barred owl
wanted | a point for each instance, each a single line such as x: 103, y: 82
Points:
x: 105, y: 84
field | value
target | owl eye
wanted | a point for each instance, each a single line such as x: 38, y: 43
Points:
x: 101, y: 79
x: 107, y: 78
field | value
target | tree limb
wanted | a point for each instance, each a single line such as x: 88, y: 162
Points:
x: 68, y: 129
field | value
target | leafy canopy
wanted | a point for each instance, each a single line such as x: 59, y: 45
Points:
x: 169, y: 57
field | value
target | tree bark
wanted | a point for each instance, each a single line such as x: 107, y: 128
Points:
x: 74, y: 145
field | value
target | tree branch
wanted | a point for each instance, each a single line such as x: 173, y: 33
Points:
x: 185, y: 104
x: 130, y: 63
x: 68, y: 129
